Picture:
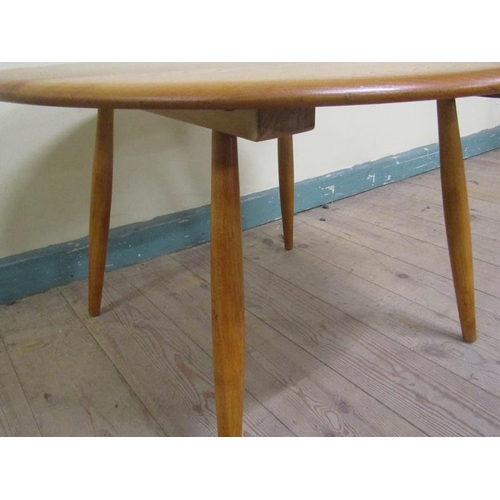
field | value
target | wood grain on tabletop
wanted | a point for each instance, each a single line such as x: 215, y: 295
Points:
x: 244, y: 85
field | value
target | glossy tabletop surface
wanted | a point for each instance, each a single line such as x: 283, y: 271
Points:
x: 244, y: 85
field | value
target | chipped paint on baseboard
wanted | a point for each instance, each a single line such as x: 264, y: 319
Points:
x: 39, y: 270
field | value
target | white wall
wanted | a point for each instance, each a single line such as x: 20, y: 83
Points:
x: 163, y: 167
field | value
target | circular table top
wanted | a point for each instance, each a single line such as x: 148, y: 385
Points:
x: 244, y: 85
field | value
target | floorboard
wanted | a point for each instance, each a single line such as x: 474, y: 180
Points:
x: 353, y: 333
x: 16, y: 418
x: 345, y: 340
x: 169, y: 372
x: 72, y: 387
x: 304, y: 393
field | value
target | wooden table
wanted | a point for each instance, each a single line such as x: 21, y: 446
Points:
x: 256, y: 101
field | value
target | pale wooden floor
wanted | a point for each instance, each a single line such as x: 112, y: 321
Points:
x: 354, y: 333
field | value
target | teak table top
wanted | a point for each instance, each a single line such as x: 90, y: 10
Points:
x: 244, y: 85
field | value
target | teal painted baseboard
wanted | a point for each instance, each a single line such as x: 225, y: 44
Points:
x: 39, y: 270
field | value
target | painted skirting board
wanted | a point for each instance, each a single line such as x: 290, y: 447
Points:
x: 39, y: 270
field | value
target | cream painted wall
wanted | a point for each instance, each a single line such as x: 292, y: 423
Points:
x: 163, y: 167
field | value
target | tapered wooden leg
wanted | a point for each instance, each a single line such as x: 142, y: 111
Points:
x: 287, y: 186
x: 456, y: 212
x: 100, y: 208
x: 228, y: 329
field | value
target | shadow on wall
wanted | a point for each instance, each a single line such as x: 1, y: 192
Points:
x: 47, y: 197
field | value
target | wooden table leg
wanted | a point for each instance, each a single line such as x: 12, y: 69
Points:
x: 100, y: 208
x: 228, y: 310
x: 456, y: 212
x: 287, y: 187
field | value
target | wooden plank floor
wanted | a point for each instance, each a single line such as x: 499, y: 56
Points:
x: 353, y: 333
